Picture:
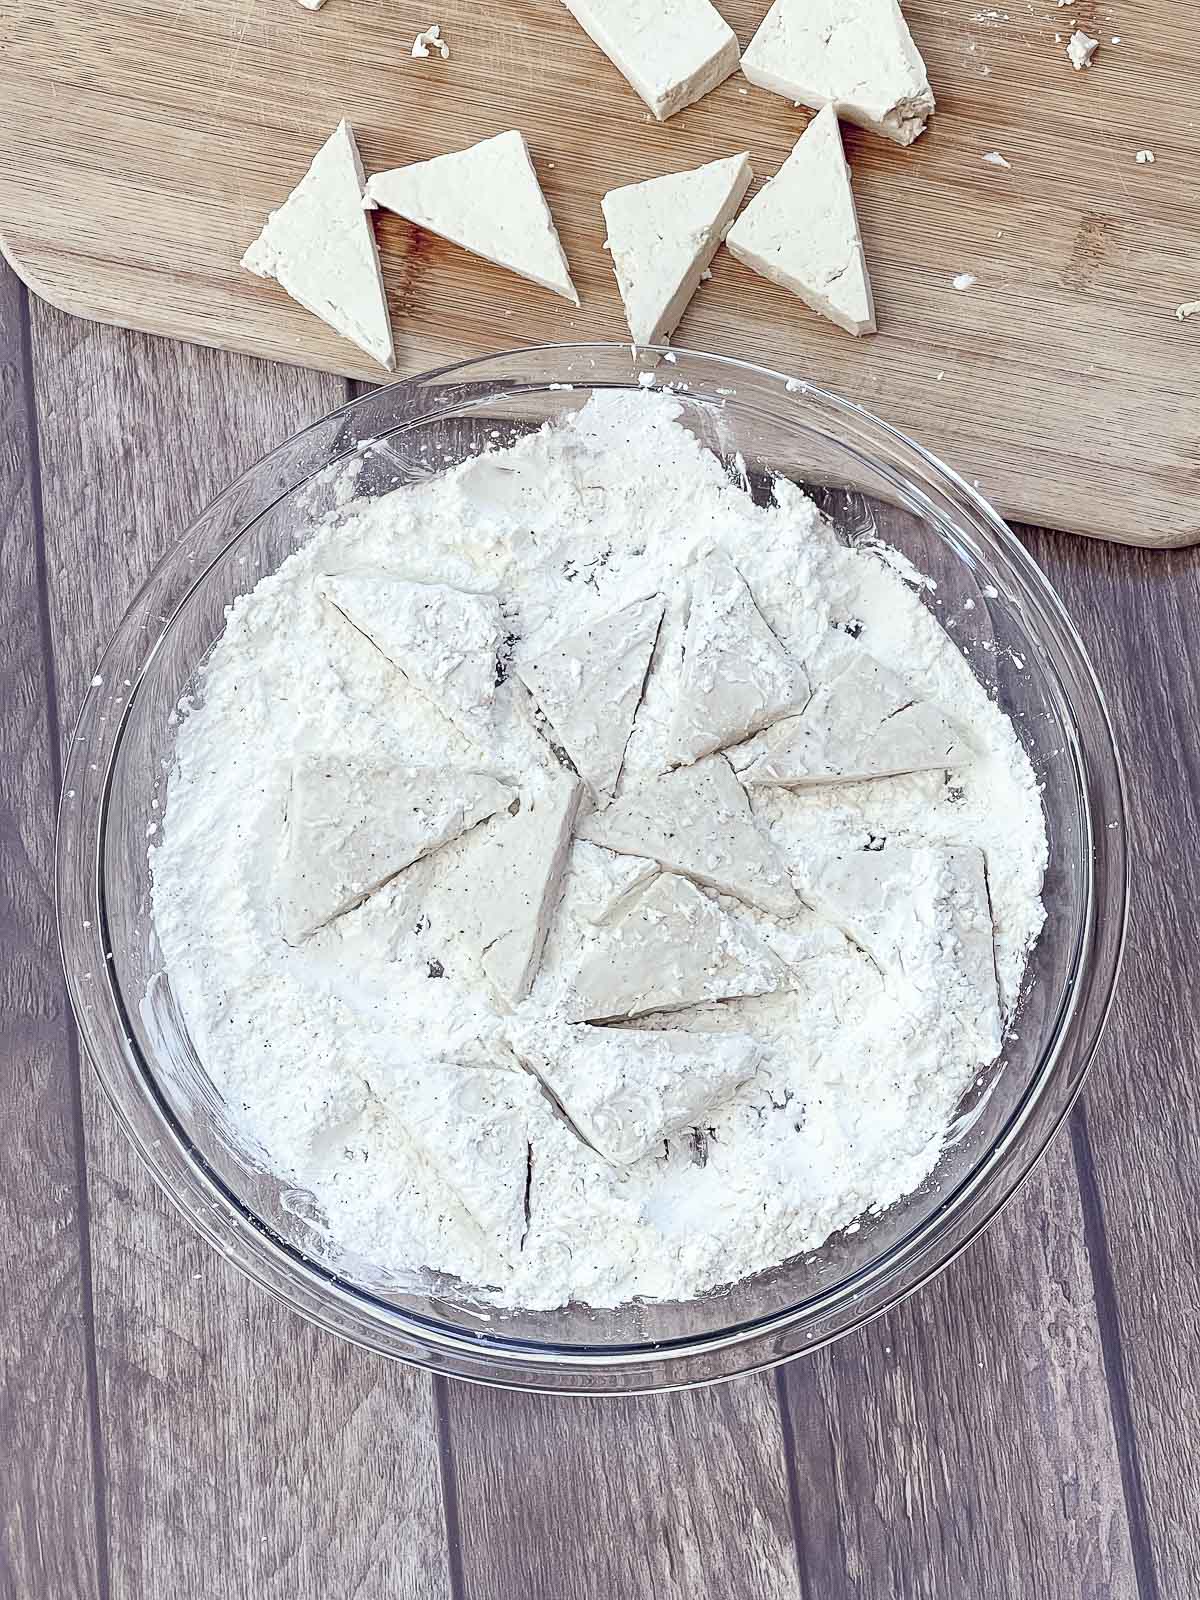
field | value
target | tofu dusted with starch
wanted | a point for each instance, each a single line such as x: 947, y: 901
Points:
x: 662, y: 235
x: 671, y: 51
x: 801, y: 230
x: 320, y: 247
x: 854, y: 55
x: 488, y: 200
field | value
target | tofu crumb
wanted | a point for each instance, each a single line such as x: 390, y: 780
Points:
x: 1081, y: 47
x: 429, y: 40
x: 645, y: 380
x: 964, y: 280
x: 1189, y: 308
x: 1144, y: 158
x: 995, y: 159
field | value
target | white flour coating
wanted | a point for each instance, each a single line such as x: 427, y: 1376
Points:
x: 860, y: 1066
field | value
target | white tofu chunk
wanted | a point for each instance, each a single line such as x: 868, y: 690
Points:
x: 697, y: 821
x: 625, y: 1090
x: 801, y: 231
x: 445, y: 641
x: 924, y: 917
x: 602, y: 883
x: 488, y: 200
x: 856, y: 56
x: 473, y: 1126
x: 671, y: 51
x: 863, y: 722
x: 320, y: 247
x: 736, y: 676
x: 674, y: 947
x: 353, y: 825
x: 663, y: 234
x: 499, y: 897
x: 588, y: 684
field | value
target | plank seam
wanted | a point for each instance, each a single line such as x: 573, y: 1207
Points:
x: 74, y: 1061
x: 1108, y: 1321
x: 788, y: 1439
x: 449, y: 1477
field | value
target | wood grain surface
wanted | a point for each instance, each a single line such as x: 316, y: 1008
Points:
x: 142, y: 143
x: 1025, y: 1426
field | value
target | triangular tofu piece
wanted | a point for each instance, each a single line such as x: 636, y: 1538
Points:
x: 486, y: 199
x: 588, y: 684
x: 353, y: 825
x: 863, y: 722
x: 924, y: 917
x: 801, y: 231
x: 500, y: 895
x: 445, y: 641
x: 736, y: 676
x: 856, y: 56
x: 671, y: 51
x: 663, y: 233
x: 627, y: 1089
x: 473, y: 1127
x: 674, y: 947
x: 697, y: 821
x: 320, y: 247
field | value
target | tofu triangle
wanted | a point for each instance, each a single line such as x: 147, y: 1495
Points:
x: 697, y: 821
x: 353, y: 825
x: 488, y: 200
x: 924, y: 917
x: 854, y: 55
x: 663, y: 234
x: 498, y: 897
x: 445, y: 641
x: 801, y: 230
x: 864, y: 721
x: 736, y: 676
x: 588, y: 684
x: 625, y: 1090
x: 473, y: 1127
x: 319, y: 246
x: 674, y: 947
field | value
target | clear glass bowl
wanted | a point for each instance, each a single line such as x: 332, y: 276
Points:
x: 1021, y: 644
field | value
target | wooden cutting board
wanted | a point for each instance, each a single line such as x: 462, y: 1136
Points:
x: 142, y: 142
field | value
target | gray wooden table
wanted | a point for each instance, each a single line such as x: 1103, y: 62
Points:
x: 1024, y: 1429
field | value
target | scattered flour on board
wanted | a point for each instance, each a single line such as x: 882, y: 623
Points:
x: 358, y: 1060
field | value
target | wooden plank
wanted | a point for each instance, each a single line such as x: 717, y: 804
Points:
x: 964, y: 1444
x: 1139, y: 617
x: 50, y: 1539
x: 672, y: 1497
x: 247, y: 1453
x: 141, y: 144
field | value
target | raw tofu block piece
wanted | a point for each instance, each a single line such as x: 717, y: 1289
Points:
x: 736, y: 676
x: 801, y: 231
x: 663, y: 233
x: 625, y: 1090
x: 602, y: 883
x: 488, y: 200
x: 588, y: 684
x: 674, y: 947
x: 500, y: 896
x: 863, y: 722
x: 443, y: 640
x: 854, y: 55
x: 671, y: 51
x: 320, y: 247
x: 474, y: 1128
x: 924, y: 917
x: 697, y: 821
x: 312, y: 5
x: 352, y: 825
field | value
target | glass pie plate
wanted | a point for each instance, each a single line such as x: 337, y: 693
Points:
x: 873, y: 483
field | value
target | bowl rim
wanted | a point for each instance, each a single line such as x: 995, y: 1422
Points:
x: 319, y: 1293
